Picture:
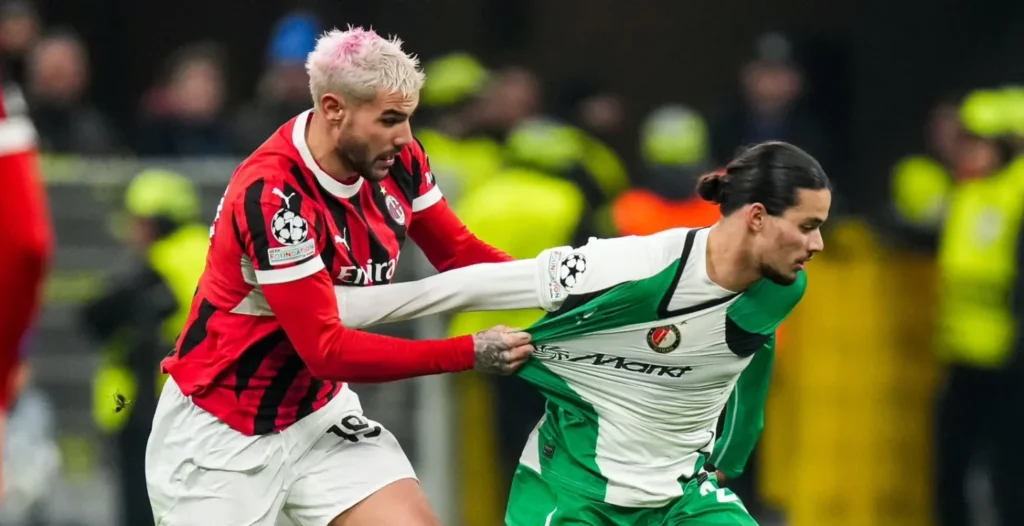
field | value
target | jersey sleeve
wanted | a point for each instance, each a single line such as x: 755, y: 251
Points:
x: 744, y: 414
x: 604, y: 263
x: 484, y: 287
x: 545, y: 282
x: 427, y: 192
x: 435, y: 228
x: 279, y: 233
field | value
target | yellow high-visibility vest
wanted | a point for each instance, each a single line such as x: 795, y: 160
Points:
x: 978, y: 265
x: 179, y: 259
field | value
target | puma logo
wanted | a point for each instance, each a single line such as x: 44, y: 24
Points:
x: 341, y: 239
x: 285, y: 198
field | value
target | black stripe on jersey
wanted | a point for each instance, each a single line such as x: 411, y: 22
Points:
x: 407, y: 182
x: 378, y: 252
x: 270, y: 403
x: 238, y: 233
x: 300, y: 178
x: 294, y: 203
x: 663, y: 310
x: 306, y: 404
x: 741, y: 342
x: 257, y: 224
x: 381, y: 201
x: 338, y: 213
x: 251, y: 359
x: 196, y: 333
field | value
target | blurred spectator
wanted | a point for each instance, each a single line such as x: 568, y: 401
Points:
x: 283, y: 90
x: 674, y: 148
x: 58, y: 79
x: 981, y: 252
x: 513, y: 97
x: 19, y: 32
x: 458, y: 154
x: 772, y: 88
x: 139, y: 317
x: 598, y: 117
x: 594, y: 110
x: 185, y: 114
x: 921, y: 183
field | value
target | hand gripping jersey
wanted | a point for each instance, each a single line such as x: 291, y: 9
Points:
x: 638, y: 358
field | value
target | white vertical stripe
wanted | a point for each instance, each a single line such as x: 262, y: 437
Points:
x: 284, y: 275
x: 16, y: 135
x: 427, y: 200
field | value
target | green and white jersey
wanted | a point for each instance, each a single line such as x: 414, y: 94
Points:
x: 638, y: 362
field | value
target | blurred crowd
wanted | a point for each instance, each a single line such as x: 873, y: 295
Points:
x: 502, y: 139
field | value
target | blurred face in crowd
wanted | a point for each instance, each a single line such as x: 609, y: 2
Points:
x: 19, y: 31
x: 369, y: 135
x: 197, y: 90
x: 602, y: 113
x: 771, y: 88
x: 139, y: 233
x: 288, y: 82
x: 58, y: 71
x: 784, y: 244
x: 944, y: 132
x: 976, y: 157
x: 514, y: 96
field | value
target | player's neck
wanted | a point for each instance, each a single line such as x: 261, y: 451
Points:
x: 318, y: 139
x: 729, y: 264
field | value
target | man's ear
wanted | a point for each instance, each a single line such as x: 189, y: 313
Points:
x: 333, y: 107
x: 756, y: 216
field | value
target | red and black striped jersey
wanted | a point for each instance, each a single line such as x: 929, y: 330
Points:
x: 263, y: 345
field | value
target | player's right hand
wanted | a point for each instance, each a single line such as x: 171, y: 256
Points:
x: 501, y: 350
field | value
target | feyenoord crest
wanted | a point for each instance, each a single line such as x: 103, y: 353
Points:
x: 663, y: 339
x: 395, y: 209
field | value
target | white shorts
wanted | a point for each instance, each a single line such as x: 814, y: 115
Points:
x: 200, y: 471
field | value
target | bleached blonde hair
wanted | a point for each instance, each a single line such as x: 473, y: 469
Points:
x: 358, y: 63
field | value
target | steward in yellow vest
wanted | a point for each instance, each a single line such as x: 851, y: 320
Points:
x: 138, y: 318
x: 980, y: 320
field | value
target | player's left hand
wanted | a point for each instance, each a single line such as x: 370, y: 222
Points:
x: 501, y: 350
x: 720, y: 478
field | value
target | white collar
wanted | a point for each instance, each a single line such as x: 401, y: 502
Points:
x: 329, y: 183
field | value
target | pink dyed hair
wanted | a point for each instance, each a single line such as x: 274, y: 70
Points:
x: 358, y: 64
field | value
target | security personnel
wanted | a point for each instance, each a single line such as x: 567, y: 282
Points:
x: 457, y: 154
x: 551, y: 147
x: 675, y: 149
x: 980, y: 337
x: 140, y: 316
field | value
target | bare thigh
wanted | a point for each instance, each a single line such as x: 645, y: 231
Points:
x: 401, y: 503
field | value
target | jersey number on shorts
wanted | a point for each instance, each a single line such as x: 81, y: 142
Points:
x: 722, y: 494
x: 354, y: 426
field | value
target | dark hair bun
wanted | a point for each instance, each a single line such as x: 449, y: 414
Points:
x: 711, y: 187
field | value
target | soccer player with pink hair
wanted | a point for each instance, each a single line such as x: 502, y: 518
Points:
x: 257, y: 417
